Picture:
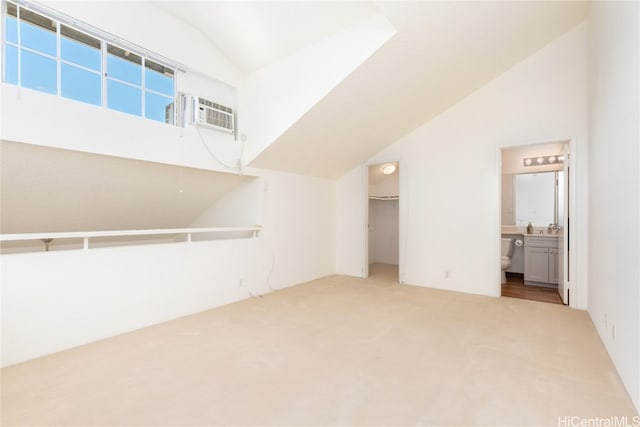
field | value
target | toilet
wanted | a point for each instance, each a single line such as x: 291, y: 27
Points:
x: 506, y: 253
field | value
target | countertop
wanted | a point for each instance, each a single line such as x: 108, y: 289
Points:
x: 522, y: 231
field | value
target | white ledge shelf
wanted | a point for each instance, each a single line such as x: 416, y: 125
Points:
x: 86, y: 235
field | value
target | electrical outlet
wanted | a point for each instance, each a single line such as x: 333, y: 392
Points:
x: 447, y: 274
x: 240, y: 283
x: 605, y: 320
x: 613, y: 332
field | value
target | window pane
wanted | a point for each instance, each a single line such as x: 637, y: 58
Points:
x: 38, y: 72
x: 124, y: 65
x: 124, y: 98
x: 80, y: 49
x: 124, y: 70
x: 11, y: 29
x: 158, y: 78
x: 38, y: 36
x: 11, y: 64
x: 158, y: 107
x: 81, y: 85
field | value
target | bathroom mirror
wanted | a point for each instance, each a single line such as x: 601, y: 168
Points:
x: 538, y: 198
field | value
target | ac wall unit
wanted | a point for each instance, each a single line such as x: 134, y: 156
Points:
x: 210, y: 114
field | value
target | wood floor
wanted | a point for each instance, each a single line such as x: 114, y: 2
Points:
x: 515, y: 288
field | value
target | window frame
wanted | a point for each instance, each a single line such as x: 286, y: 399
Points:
x: 105, y: 40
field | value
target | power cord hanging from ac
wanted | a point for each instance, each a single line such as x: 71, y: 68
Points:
x: 273, y: 264
x: 267, y: 248
x: 237, y: 167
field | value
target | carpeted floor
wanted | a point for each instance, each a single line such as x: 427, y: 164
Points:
x: 334, y: 351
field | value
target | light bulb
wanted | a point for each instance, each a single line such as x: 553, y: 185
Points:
x: 389, y: 169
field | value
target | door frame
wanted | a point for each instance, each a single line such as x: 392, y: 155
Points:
x: 402, y: 214
x: 569, y: 261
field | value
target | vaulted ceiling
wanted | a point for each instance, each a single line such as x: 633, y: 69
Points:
x: 253, y: 34
x: 441, y: 52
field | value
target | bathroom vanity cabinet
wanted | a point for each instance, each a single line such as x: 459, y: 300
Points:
x: 541, y: 260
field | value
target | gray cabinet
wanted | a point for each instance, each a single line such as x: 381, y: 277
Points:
x: 541, y: 260
x: 536, y: 264
x: 553, y: 266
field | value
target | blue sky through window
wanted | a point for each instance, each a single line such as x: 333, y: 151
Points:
x: 37, y: 38
x: 11, y: 29
x: 155, y: 106
x: 38, y: 72
x: 81, y: 85
x: 11, y: 64
x: 121, y: 69
x: 125, y: 98
x: 80, y: 64
x: 81, y: 54
x: 158, y: 82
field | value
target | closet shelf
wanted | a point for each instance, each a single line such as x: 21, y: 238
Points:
x: 383, y: 197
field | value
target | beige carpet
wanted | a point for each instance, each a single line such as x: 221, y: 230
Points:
x: 335, y: 351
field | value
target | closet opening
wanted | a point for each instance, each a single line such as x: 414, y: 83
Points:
x: 383, y: 224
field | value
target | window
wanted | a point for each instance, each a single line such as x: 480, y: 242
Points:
x: 124, y: 81
x: 51, y: 56
x: 30, y: 50
x: 159, y: 91
x: 81, y: 66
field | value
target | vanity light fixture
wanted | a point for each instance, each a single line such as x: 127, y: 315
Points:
x: 388, y: 169
x: 542, y: 160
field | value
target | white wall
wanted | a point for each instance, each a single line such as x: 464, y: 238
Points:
x: 45, y: 189
x: 508, y: 200
x: 241, y: 205
x: 351, y: 217
x: 76, y: 297
x: 298, y: 219
x: 299, y: 223
x: 452, y: 168
x: 614, y: 183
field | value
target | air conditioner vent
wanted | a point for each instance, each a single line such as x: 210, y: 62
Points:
x: 209, y: 113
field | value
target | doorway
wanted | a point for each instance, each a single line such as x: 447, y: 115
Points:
x: 536, y: 197
x: 383, y: 221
